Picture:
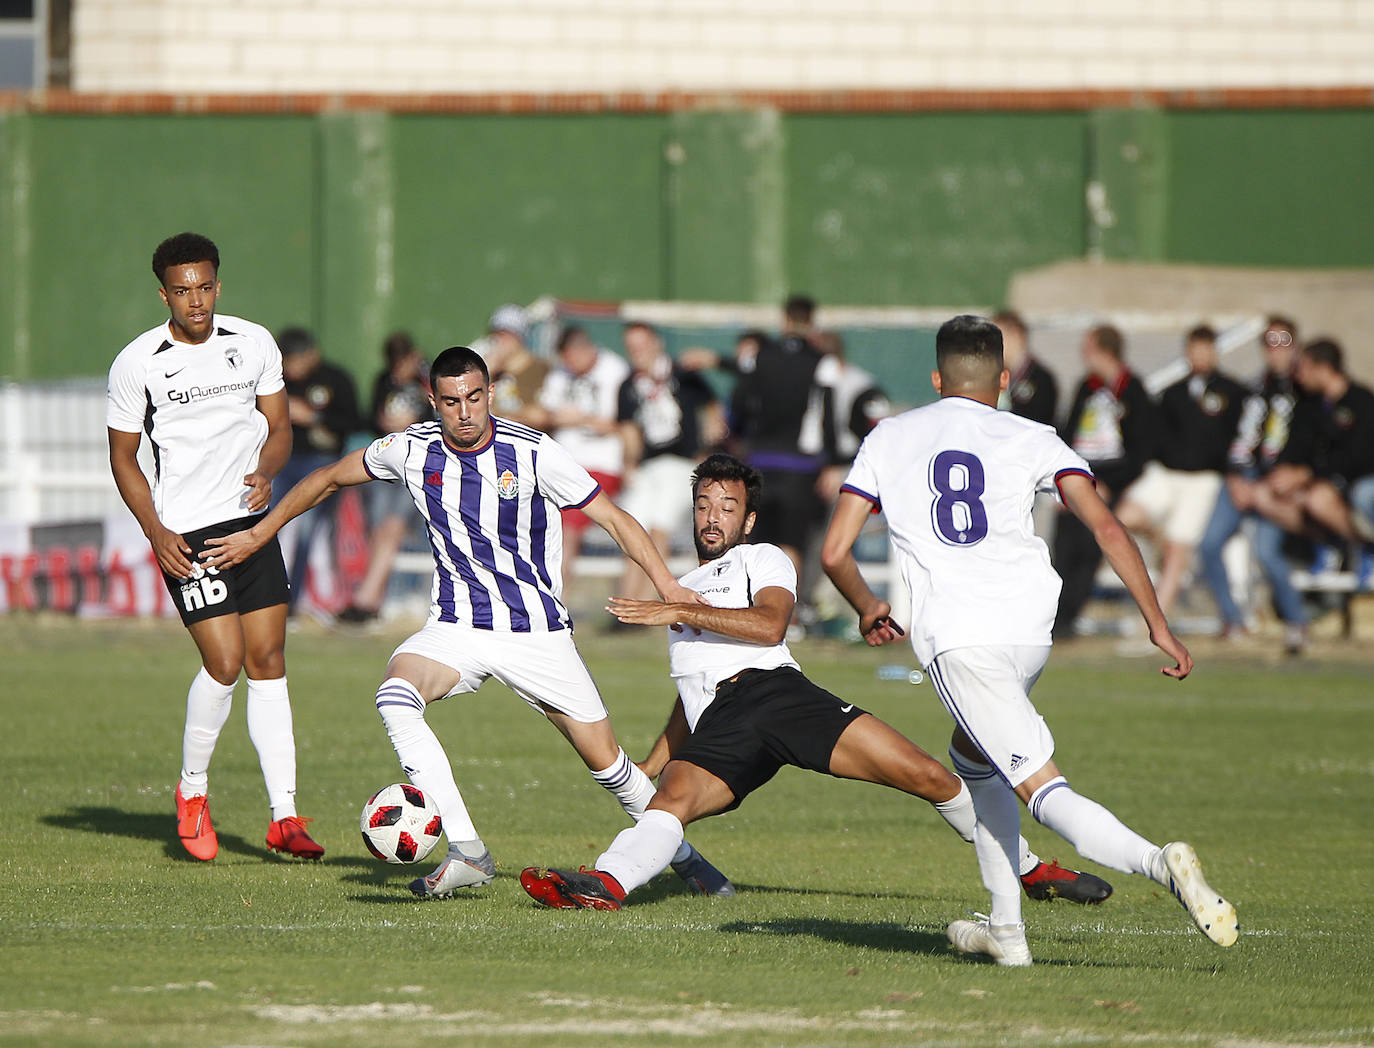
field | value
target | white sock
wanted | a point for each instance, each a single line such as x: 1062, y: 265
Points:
x: 958, y: 812
x: 642, y: 852
x: 997, y: 839
x: 630, y: 786
x: 207, y: 708
x: 1094, y: 832
x: 634, y: 792
x: 421, y: 755
x: 269, y: 726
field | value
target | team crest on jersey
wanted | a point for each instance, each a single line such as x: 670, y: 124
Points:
x: 507, y: 485
x: 232, y: 358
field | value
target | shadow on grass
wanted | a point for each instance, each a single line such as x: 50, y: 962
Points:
x: 399, y: 890
x: 898, y: 938
x: 149, y: 826
x: 880, y: 935
x: 790, y: 889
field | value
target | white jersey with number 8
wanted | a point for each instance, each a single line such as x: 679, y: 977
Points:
x: 956, y: 480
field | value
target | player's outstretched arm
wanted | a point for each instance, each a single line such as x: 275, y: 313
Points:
x: 763, y: 622
x: 635, y: 543
x: 310, y: 492
x: 172, y: 552
x: 837, y: 558
x: 1080, y: 495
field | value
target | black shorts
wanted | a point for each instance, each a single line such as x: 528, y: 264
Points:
x: 763, y: 720
x: 259, y: 582
x: 789, y: 509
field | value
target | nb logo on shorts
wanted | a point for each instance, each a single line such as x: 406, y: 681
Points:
x: 1016, y: 761
x: 200, y: 592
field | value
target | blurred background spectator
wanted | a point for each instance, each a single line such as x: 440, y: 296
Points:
x: 668, y: 416
x: 1111, y: 424
x: 783, y: 415
x: 400, y: 398
x: 582, y: 399
x: 517, y: 375
x: 1031, y: 390
x: 324, y: 413
x: 1261, y: 436
x: 1173, y: 500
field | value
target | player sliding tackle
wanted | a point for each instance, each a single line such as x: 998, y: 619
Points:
x: 956, y: 480
x: 489, y: 490
x: 745, y: 709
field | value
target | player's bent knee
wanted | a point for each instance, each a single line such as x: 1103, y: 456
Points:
x: 224, y: 668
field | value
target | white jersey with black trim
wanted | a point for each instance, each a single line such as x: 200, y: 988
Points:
x: 956, y: 480
x: 198, y: 405
x: 699, y: 659
x: 493, y: 520
x: 595, y: 393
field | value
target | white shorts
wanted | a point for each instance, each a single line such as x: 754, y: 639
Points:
x: 659, y: 494
x: 987, y: 691
x: 1179, y: 503
x: 544, y: 669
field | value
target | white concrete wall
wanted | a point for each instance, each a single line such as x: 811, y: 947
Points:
x: 696, y: 45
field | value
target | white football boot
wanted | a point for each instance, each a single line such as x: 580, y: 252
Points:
x: 1182, y: 875
x: 1004, y: 943
x: 458, y: 870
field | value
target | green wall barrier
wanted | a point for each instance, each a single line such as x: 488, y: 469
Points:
x: 359, y: 223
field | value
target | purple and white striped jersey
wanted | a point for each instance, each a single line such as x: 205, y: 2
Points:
x: 493, y: 520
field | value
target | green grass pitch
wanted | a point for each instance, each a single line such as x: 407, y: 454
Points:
x: 109, y: 935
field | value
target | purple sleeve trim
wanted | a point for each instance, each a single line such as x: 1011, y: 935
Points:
x: 877, y: 502
x: 1067, y: 473
x: 595, y: 492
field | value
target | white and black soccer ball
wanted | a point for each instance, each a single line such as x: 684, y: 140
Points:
x: 400, y: 824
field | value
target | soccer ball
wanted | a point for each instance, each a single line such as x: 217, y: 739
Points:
x: 400, y: 824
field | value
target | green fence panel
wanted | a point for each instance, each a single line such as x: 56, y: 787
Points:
x: 936, y: 208
x: 106, y: 189
x: 1272, y: 188
x: 493, y: 209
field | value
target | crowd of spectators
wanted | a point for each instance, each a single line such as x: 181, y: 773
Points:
x: 1287, y: 457
x: 1293, y: 451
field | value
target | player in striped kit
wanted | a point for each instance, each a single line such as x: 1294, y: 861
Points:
x: 490, y: 490
x: 956, y: 480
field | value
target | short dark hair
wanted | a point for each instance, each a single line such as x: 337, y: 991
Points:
x: 184, y: 249
x: 295, y: 340
x: 720, y: 467
x: 455, y: 361
x: 1108, y: 339
x: 1325, y: 351
x: 572, y: 331
x: 1202, y: 333
x: 1006, y: 318
x: 642, y: 325
x: 799, y: 308
x: 972, y: 340
x: 397, y: 346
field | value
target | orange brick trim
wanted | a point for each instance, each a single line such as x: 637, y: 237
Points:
x: 839, y: 101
